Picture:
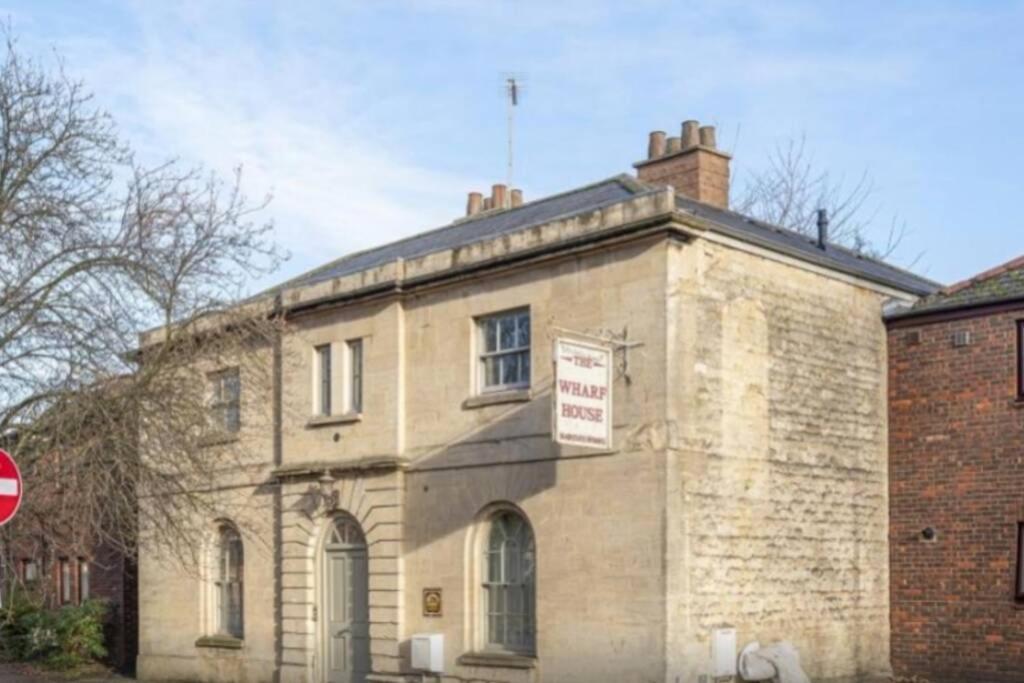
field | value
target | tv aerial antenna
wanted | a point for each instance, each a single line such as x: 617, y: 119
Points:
x: 513, y: 87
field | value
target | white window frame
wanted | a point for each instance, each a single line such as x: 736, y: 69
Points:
x: 323, y: 405
x: 220, y: 584
x: 482, y: 354
x: 355, y: 373
x: 486, y: 587
x: 220, y: 405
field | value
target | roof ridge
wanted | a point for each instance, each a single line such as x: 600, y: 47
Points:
x: 1012, y: 264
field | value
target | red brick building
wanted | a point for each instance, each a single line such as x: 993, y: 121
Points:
x: 956, y: 431
x: 40, y: 552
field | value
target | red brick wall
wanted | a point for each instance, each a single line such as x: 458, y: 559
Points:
x: 956, y: 437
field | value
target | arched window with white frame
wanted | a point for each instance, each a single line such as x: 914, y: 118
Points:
x: 228, y: 583
x: 508, y: 590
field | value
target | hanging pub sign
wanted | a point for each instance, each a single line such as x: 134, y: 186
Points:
x: 583, y: 394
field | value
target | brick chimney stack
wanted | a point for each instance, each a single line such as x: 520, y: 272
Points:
x: 501, y: 198
x: 691, y: 163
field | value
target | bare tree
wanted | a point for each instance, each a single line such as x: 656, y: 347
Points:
x: 94, y: 247
x: 790, y: 189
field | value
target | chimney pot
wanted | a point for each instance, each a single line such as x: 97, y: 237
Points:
x: 691, y: 163
x: 498, y: 196
x: 656, y: 145
x: 707, y: 136
x: 474, y: 204
x: 822, y: 228
x: 488, y: 205
x: 691, y: 134
x: 517, y: 198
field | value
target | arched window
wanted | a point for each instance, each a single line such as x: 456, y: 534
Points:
x: 509, y: 579
x: 228, y: 582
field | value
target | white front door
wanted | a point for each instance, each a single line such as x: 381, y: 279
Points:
x: 346, y: 647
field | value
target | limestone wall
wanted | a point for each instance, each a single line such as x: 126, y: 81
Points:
x: 777, y: 485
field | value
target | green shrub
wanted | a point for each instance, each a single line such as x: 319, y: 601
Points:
x: 62, y: 638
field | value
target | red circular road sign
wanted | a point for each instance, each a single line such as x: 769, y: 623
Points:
x: 10, y: 488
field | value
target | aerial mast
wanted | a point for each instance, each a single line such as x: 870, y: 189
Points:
x: 512, y: 91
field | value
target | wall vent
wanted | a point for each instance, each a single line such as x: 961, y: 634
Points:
x: 913, y: 337
x: 961, y: 338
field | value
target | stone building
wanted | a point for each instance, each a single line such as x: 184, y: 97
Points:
x: 400, y: 475
x: 956, y: 391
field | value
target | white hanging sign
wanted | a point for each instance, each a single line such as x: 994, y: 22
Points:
x: 583, y: 394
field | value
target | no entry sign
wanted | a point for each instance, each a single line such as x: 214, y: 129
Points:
x: 10, y: 488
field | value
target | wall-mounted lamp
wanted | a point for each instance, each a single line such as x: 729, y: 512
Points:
x: 323, y: 493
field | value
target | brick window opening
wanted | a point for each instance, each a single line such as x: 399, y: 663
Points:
x: 65, y: 581
x: 1018, y: 591
x: 83, y: 579
x: 29, y: 571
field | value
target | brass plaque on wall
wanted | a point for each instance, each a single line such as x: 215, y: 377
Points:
x: 432, y: 602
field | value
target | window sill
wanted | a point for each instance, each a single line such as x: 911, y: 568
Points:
x: 1018, y: 402
x: 494, y: 398
x: 220, y: 642
x: 218, y: 439
x: 326, y: 420
x: 500, y: 660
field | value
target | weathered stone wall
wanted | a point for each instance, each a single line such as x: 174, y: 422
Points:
x: 777, y: 477
x: 747, y: 485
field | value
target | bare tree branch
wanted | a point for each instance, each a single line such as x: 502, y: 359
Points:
x: 113, y: 438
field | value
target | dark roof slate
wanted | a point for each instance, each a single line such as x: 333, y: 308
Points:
x: 463, y: 232
x: 999, y: 284
x: 595, y: 196
x: 803, y: 247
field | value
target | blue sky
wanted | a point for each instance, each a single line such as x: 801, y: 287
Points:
x: 371, y: 120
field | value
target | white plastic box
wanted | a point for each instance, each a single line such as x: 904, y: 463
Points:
x: 428, y: 652
x: 723, y: 652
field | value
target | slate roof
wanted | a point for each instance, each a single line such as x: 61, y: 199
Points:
x: 996, y: 285
x: 806, y: 248
x: 595, y: 196
x: 467, y: 231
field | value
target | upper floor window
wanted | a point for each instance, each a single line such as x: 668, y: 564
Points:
x: 228, y: 582
x: 509, y: 578
x: 323, y: 371
x: 225, y: 400
x: 505, y: 350
x: 1020, y: 359
x: 355, y: 376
